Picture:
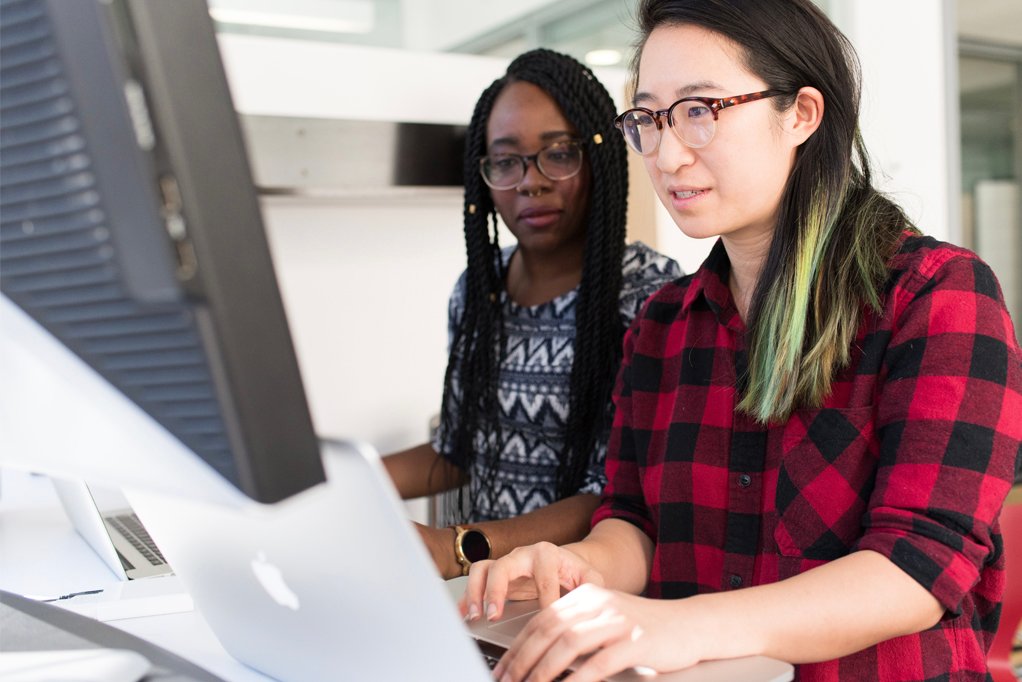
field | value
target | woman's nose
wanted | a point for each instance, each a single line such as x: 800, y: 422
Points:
x: 672, y: 153
x: 533, y: 179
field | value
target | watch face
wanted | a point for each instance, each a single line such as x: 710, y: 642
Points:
x: 474, y: 546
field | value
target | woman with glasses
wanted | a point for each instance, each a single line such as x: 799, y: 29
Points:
x: 535, y: 328
x: 814, y: 432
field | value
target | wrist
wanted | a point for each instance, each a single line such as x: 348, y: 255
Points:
x: 450, y: 568
x: 470, y: 545
x: 711, y: 618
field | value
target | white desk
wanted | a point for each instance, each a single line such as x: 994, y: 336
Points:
x: 41, y: 556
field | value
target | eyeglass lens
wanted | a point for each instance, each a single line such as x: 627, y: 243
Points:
x: 692, y: 121
x: 557, y: 162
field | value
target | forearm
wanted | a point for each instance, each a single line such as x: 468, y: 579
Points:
x: 825, y: 613
x: 604, y: 547
x: 420, y: 471
x: 561, y: 522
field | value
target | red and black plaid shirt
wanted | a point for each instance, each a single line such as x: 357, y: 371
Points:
x: 911, y: 456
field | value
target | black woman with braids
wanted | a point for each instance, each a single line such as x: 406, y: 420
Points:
x: 535, y: 328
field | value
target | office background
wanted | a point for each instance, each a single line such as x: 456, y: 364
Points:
x: 366, y: 257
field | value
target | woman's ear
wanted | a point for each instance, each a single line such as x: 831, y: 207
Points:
x: 805, y: 114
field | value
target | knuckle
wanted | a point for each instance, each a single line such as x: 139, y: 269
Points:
x: 479, y: 566
x: 571, y: 638
x: 600, y: 663
x: 547, y: 628
x: 540, y: 550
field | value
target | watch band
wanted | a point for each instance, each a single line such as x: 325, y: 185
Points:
x: 470, y: 545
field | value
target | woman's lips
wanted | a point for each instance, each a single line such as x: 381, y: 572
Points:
x: 539, y: 217
x: 685, y: 197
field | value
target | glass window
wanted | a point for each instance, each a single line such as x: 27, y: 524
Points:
x: 991, y: 100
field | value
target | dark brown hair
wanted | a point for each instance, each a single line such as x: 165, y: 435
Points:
x: 835, y: 232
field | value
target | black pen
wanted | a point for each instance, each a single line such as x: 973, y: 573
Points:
x: 72, y: 595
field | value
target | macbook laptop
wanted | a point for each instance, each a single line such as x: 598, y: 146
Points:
x: 334, y: 581
x: 114, y: 534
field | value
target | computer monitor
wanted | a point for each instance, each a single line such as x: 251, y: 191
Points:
x: 132, y: 249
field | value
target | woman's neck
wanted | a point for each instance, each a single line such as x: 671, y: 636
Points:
x: 533, y: 279
x: 747, y: 255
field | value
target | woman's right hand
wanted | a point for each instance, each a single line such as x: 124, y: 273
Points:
x: 542, y: 571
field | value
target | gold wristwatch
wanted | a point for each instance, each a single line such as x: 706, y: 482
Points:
x: 470, y: 545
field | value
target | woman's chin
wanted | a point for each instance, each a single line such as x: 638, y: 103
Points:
x: 696, y: 229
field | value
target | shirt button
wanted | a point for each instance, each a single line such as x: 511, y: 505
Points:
x: 745, y: 480
x: 735, y: 581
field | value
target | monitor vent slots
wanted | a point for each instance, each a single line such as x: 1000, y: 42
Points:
x: 56, y: 249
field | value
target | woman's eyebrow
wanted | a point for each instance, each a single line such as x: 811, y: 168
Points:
x: 556, y: 134
x: 684, y: 91
x: 500, y: 141
x: 511, y: 140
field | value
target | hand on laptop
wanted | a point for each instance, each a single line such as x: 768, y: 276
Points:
x: 615, y: 630
x: 542, y: 571
x: 545, y: 571
x: 627, y: 630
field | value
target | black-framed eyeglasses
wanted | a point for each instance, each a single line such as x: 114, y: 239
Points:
x: 693, y: 120
x: 559, y: 161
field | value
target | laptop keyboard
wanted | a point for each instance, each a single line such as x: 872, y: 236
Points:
x: 492, y: 653
x: 134, y: 532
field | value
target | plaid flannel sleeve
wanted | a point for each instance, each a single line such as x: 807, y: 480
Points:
x: 949, y: 419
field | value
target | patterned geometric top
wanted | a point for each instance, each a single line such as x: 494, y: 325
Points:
x: 911, y: 455
x: 533, y: 388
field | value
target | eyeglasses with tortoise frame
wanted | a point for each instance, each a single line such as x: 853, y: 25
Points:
x: 693, y: 119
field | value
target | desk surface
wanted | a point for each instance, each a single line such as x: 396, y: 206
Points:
x: 42, y: 557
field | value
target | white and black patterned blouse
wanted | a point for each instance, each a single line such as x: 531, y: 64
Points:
x: 535, y: 375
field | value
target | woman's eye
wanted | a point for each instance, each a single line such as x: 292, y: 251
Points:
x: 640, y: 120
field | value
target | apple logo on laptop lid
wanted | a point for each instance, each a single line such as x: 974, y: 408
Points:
x: 272, y: 580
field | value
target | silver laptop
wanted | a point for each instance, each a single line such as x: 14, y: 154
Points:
x: 335, y: 582
x: 115, y: 534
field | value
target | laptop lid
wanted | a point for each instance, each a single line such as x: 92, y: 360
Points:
x: 84, y: 515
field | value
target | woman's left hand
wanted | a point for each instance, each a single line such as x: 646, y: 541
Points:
x: 618, y: 629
